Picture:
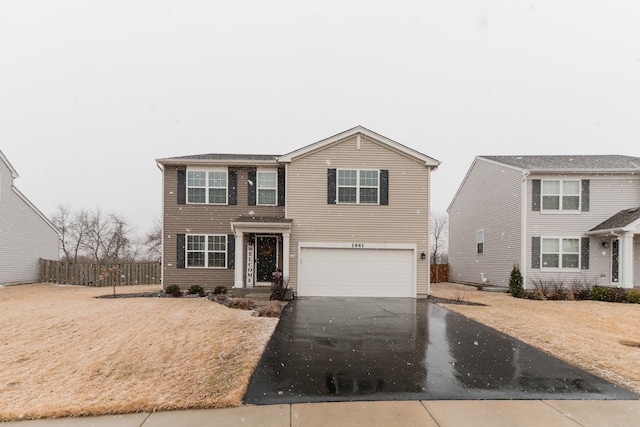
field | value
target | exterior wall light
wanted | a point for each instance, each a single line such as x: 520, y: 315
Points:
x: 423, y: 256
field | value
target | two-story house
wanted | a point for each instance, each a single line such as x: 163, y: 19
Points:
x: 344, y: 216
x: 569, y: 219
x: 26, y: 235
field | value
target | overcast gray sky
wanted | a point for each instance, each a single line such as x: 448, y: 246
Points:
x: 92, y: 92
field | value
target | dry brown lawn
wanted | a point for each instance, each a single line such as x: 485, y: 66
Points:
x: 600, y: 337
x: 65, y: 353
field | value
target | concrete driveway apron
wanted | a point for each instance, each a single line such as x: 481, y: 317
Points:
x: 344, y: 349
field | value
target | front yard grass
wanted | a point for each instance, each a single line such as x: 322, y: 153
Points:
x: 64, y: 352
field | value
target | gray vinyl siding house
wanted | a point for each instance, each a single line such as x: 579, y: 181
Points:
x: 344, y: 216
x: 26, y: 235
x: 569, y: 219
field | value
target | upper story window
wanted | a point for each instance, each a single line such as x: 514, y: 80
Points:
x: 480, y: 241
x: 561, y: 195
x: 207, y: 186
x: 560, y: 252
x: 206, y: 251
x: 358, y: 186
x: 267, y: 187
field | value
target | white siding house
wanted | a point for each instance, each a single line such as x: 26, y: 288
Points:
x: 573, y: 219
x: 26, y: 235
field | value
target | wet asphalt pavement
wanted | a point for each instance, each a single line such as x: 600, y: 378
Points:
x: 345, y: 349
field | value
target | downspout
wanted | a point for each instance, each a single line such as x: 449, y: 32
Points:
x: 523, y: 230
x: 162, y: 230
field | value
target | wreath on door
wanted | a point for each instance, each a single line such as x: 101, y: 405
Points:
x: 266, y: 250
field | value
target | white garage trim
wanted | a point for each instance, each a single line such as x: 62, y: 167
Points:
x: 360, y: 269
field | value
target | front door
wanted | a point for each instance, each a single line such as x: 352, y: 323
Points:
x: 266, y: 257
x: 615, y: 260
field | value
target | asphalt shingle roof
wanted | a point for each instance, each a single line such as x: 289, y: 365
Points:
x: 569, y: 163
x: 224, y: 157
x: 619, y: 220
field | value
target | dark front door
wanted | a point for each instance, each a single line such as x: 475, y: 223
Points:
x: 615, y: 260
x: 266, y: 257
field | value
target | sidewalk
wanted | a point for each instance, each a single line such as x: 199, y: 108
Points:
x: 428, y: 413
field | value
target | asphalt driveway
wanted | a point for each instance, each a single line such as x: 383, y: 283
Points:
x: 344, y: 349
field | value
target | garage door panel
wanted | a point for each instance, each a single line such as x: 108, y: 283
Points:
x: 356, y: 272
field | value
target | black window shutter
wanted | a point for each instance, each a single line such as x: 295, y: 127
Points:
x: 281, y: 186
x: 180, y: 250
x: 585, y: 196
x: 231, y: 251
x: 535, y: 252
x: 536, y: 194
x: 232, y: 190
x: 252, y: 183
x: 584, y: 253
x: 331, y: 186
x: 384, y: 187
x: 182, y: 186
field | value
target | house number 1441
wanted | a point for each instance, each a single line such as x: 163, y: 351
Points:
x: 357, y: 245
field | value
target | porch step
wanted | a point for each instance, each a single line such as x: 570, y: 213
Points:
x: 494, y: 289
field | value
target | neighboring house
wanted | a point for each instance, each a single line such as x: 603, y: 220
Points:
x: 345, y: 216
x: 563, y: 219
x: 26, y: 235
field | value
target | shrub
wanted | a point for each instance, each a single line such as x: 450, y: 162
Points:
x: 515, y: 282
x: 219, y: 290
x: 196, y: 289
x: 603, y: 293
x: 270, y: 310
x: 241, y: 303
x: 633, y: 296
x: 173, y: 290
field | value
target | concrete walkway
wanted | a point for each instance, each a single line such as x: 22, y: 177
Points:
x: 414, y: 413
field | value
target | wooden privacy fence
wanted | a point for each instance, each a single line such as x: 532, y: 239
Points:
x: 124, y: 274
x: 439, y: 273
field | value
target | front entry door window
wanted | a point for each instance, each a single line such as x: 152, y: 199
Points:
x: 615, y: 260
x: 266, y: 257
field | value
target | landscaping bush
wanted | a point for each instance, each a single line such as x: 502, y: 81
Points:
x: 240, y: 303
x: 173, y: 290
x: 196, y: 290
x: 220, y: 290
x: 633, y: 296
x: 515, y: 282
x: 603, y: 293
x: 270, y: 310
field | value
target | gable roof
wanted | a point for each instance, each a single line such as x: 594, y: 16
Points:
x: 428, y: 161
x: 568, y: 163
x: 14, y: 173
x: 618, y: 221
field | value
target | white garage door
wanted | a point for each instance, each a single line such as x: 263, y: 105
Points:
x: 357, y: 272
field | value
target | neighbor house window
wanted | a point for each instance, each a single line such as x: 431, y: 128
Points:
x: 358, y: 186
x: 480, y: 241
x: 560, y: 252
x: 267, y: 188
x: 561, y: 195
x: 206, y: 251
x: 207, y: 187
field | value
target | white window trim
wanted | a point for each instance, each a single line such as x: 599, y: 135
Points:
x: 478, y: 241
x: 206, y: 251
x: 358, y: 187
x: 266, y: 170
x: 560, y: 253
x: 560, y: 209
x: 206, y: 187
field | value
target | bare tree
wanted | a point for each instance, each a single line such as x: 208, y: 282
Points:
x: 439, y: 230
x: 152, y: 242
x: 73, y: 228
x: 61, y: 220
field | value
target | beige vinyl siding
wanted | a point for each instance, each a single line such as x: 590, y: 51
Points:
x: 202, y: 219
x: 609, y: 194
x: 404, y: 220
x: 490, y: 200
x: 25, y: 236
